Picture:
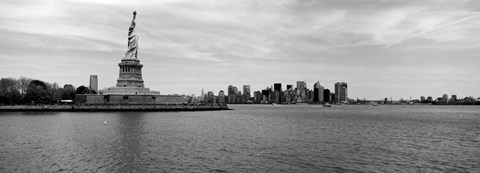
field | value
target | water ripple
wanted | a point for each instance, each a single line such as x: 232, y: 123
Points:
x: 253, y: 138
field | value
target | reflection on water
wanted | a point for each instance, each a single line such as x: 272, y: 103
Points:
x: 253, y: 138
x: 130, y: 131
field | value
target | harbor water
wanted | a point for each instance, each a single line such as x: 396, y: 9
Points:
x: 250, y: 138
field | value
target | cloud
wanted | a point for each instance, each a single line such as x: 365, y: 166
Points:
x: 370, y: 43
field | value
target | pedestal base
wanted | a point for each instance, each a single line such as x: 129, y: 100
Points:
x: 129, y: 91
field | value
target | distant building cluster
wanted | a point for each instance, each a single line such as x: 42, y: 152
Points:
x: 445, y: 100
x: 442, y: 100
x: 278, y: 95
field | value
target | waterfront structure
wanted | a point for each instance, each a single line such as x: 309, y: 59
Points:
x: 341, y: 93
x: 93, y: 83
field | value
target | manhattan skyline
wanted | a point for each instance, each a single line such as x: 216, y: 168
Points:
x: 396, y: 49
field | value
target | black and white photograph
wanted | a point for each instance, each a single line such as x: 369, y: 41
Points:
x: 239, y: 86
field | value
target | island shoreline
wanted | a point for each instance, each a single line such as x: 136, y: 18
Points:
x: 112, y: 108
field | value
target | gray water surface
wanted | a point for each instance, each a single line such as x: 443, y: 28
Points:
x: 251, y: 138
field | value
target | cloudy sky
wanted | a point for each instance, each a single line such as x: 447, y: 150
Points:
x: 399, y: 49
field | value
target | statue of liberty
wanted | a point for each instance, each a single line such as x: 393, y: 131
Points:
x: 132, y: 40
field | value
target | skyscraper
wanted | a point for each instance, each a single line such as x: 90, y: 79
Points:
x: 326, y: 95
x: 277, y: 87
x: 94, y: 83
x: 246, y: 92
x: 301, y: 85
x: 341, y: 93
x: 277, y: 90
x: 301, y: 91
x: 221, y: 97
x: 232, y: 94
x: 210, y: 97
x: 257, y: 97
x: 266, y: 95
x: 318, y: 92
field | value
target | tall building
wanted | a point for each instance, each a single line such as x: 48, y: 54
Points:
x: 326, y: 95
x: 288, y: 95
x: 341, y: 92
x: 318, y: 93
x: 301, y: 85
x: 221, y: 97
x: 301, y: 92
x: 239, y: 97
x: 277, y: 87
x: 332, y: 97
x: 266, y: 95
x: 94, y: 83
x: 210, y: 97
x: 246, y: 92
x: 232, y: 94
x: 257, y: 97
x: 277, y: 91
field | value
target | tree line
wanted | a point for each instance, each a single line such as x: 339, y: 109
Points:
x: 25, y: 90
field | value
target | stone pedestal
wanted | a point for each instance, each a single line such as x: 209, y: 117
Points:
x: 130, y: 80
x: 130, y: 74
x: 129, y: 91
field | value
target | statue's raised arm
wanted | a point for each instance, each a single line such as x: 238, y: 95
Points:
x: 132, y: 39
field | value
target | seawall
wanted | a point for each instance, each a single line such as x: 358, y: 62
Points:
x: 101, y: 108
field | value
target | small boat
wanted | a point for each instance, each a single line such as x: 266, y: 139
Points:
x: 327, y: 105
x: 274, y: 104
x: 374, y: 104
x: 105, y: 122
